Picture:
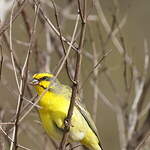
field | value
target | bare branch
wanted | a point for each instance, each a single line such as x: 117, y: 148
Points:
x: 20, y: 146
x: 53, y: 27
x: 75, y: 86
x: 1, y: 61
x: 139, y: 85
x: 22, y: 87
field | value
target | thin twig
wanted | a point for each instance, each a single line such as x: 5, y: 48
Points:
x: 139, y: 86
x: 11, y: 46
x: 1, y: 61
x: 69, y: 49
x: 22, y: 86
x: 18, y: 145
x: 75, y: 86
x: 59, y: 29
x: 114, y: 39
x: 95, y: 72
x: 96, y: 66
x: 6, y: 123
x: 53, y: 27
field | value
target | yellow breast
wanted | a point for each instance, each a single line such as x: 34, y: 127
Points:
x: 52, y: 107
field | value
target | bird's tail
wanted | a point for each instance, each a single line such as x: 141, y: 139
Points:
x: 94, y: 147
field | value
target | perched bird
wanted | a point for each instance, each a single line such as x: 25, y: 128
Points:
x: 54, y: 101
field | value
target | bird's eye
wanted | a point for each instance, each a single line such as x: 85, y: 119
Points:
x: 45, y: 78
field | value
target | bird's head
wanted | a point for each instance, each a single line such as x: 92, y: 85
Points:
x: 42, y: 81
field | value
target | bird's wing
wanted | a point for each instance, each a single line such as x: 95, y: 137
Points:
x: 82, y: 109
x: 86, y: 116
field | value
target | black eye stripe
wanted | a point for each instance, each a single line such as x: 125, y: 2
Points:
x: 45, y: 78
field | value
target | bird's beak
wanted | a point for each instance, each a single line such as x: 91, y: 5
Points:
x: 34, y: 82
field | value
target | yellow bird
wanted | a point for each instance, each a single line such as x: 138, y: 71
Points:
x: 54, y: 108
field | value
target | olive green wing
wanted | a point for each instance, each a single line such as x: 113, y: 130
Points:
x: 82, y: 109
x: 88, y: 119
x: 87, y: 116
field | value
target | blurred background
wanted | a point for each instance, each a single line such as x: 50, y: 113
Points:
x: 114, y: 79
